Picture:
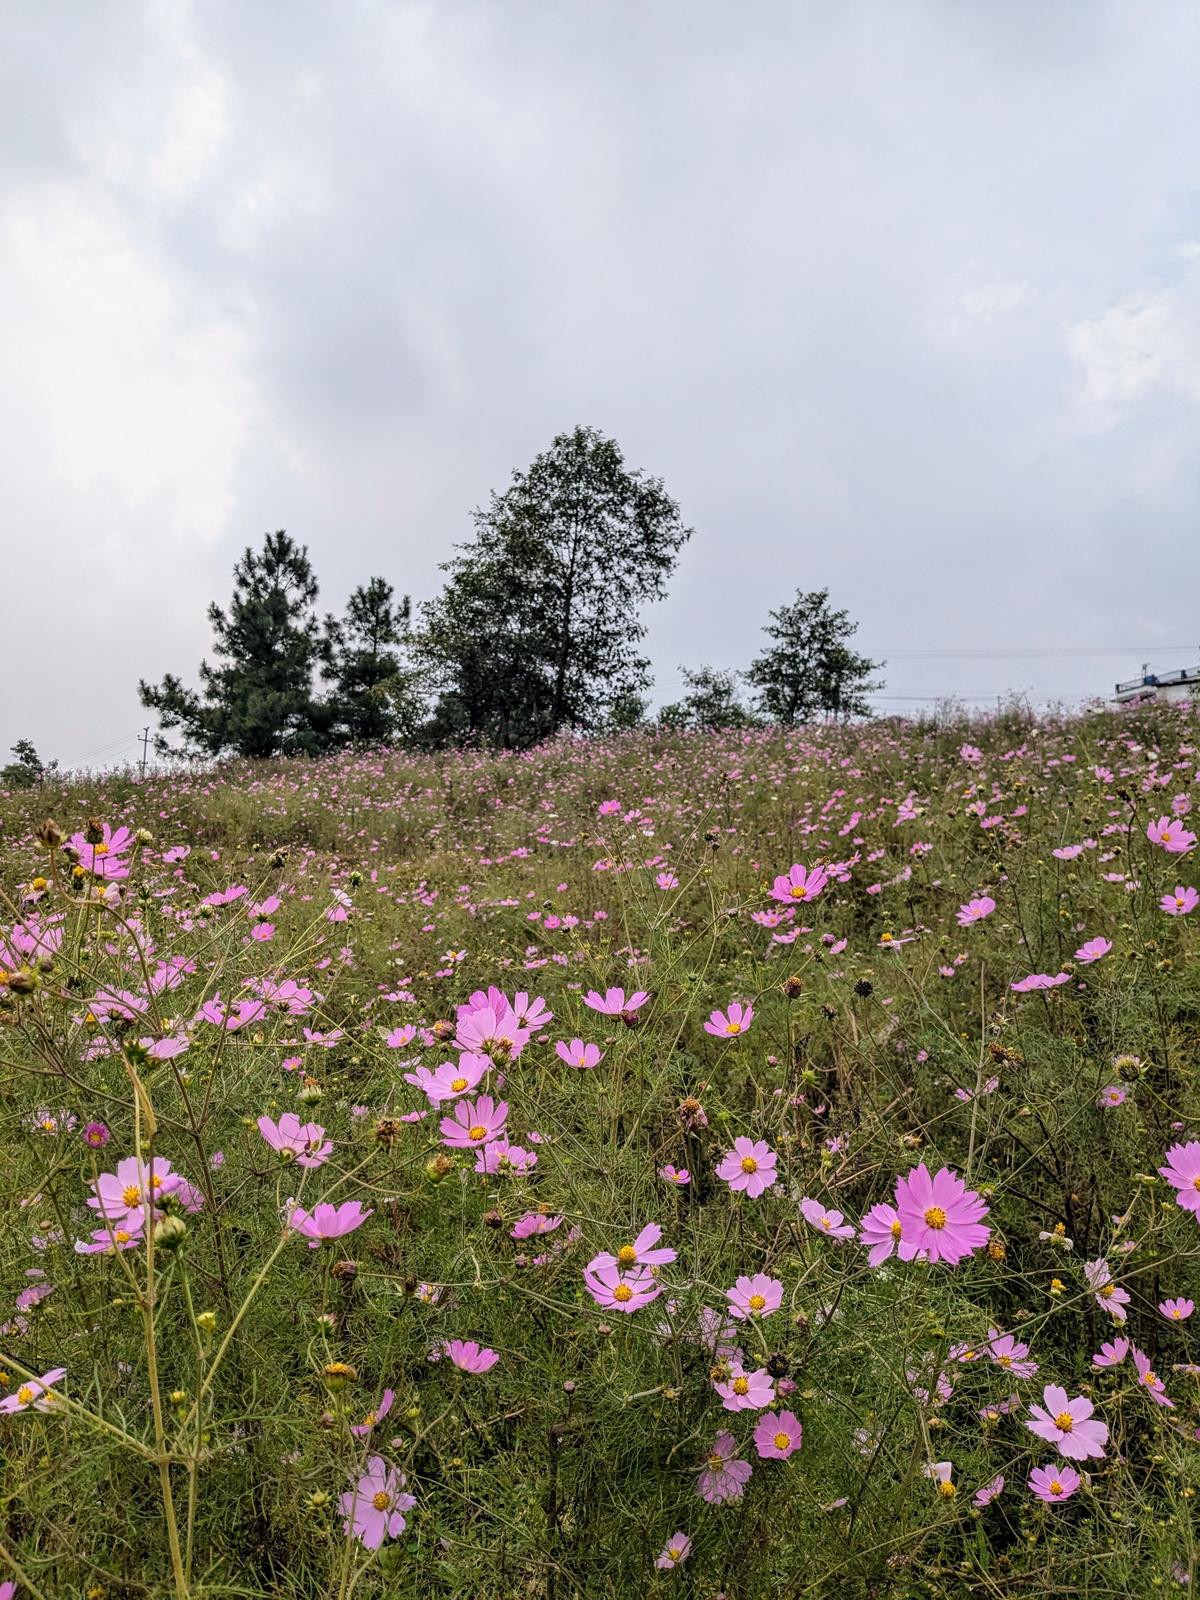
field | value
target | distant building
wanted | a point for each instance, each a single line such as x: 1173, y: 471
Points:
x: 1168, y: 686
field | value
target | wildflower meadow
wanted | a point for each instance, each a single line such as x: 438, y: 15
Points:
x: 718, y: 1164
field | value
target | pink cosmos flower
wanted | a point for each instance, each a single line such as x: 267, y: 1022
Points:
x: 1093, y: 950
x: 723, y: 1477
x: 729, y: 1023
x: 778, y: 1435
x: 327, y: 1221
x: 750, y: 1166
x: 680, y: 1176
x: 1171, y: 835
x: 1182, y: 903
x: 490, y: 1030
x: 940, y: 1215
x: 984, y: 1496
x: 1182, y: 1172
x: 533, y: 1224
x: 374, y: 1509
x: 975, y: 910
x: 1068, y: 1424
x: 798, y: 884
x: 360, y: 1430
x: 35, y: 1392
x: 1054, y: 1483
x: 1007, y: 1353
x: 1176, y: 1310
x: 613, y: 1002
x: 621, y: 1291
x: 882, y: 1230
x: 1111, y: 1355
x: 305, y: 1143
x: 758, y: 1296
x: 645, y: 1251
x: 500, y: 1156
x: 830, y: 1223
x: 676, y: 1549
x: 134, y: 1184
x: 1149, y: 1380
x: 1109, y: 1296
x: 579, y: 1055
x: 468, y: 1356
x: 451, y: 1079
x: 1040, y: 980
x: 666, y: 880
x: 1111, y: 1097
x: 107, y: 858
x: 125, y: 1234
x: 474, y: 1122
x: 746, y: 1391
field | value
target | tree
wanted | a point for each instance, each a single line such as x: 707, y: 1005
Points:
x: 258, y: 700
x: 713, y: 700
x: 28, y: 770
x: 810, y: 668
x: 537, y: 627
x: 372, y: 698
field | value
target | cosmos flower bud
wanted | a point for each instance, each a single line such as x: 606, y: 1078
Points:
x: 793, y: 987
x: 778, y: 1365
x: 439, y: 1168
x: 206, y: 1321
x: 345, y: 1271
x: 50, y: 834
x: 338, y: 1375
x: 94, y: 831
x: 310, y: 1092
x: 23, y: 981
x: 443, y: 1031
x: 170, y: 1233
x: 493, y: 1219
x: 355, y: 878
x: 144, y: 836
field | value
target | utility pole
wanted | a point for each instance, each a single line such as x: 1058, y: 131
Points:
x: 145, y: 743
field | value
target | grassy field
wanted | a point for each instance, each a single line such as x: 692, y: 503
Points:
x: 843, y: 1262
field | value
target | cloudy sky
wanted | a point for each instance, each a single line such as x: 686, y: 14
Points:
x: 900, y: 297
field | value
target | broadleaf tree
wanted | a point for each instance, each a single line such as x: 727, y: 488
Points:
x: 538, y: 626
x: 809, y: 668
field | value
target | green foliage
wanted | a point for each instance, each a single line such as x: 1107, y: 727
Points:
x: 809, y: 668
x: 373, y: 698
x: 713, y: 700
x: 28, y: 770
x: 258, y: 700
x: 538, y: 625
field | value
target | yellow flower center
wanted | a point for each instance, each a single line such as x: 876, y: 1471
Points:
x: 798, y: 891
x: 622, y: 1293
x: 627, y: 1255
x: 1196, y: 1182
x: 381, y: 1501
x: 155, y: 1181
x: 886, y: 938
x: 1055, y: 1486
x: 1149, y: 1379
x: 101, y: 849
x: 741, y: 1386
x: 946, y: 1489
x: 715, y: 1462
x: 582, y: 1061
x: 477, y: 1132
x: 1177, y: 1314
x: 122, y: 1236
x: 25, y: 1394
x: 935, y: 1217
x: 895, y: 1229
x: 1004, y: 1361
x: 749, y: 1164
x: 781, y: 1441
x: 756, y: 1302
x: 1064, y: 1421
x: 733, y: 1027
x: 459, y: 1085
x: 1107, y: 1290
x: 370, y: 1419
x: 131, y: 1194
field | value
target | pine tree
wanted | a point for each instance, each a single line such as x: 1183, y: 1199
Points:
x: 810, y: 669
x: 538, y: 625
x: 258, y: 699
x: 373, y: 698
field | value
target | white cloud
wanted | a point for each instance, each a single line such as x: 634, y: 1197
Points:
x: 1146, y: 342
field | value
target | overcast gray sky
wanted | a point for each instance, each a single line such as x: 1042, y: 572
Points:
x: 900, y: 297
